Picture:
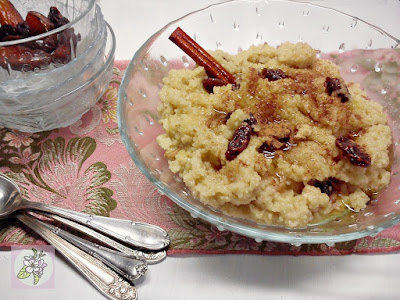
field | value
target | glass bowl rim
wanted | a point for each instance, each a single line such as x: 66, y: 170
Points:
x: 110, y: 59
x: 295, y: 238
x: 51, y: 32
x: 76, y: 60
x: 82, y: 86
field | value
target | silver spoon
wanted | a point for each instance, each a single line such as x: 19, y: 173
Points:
x: 150, y: 257
x: 139, y: 234
x: 129, y: 267
x: 103, y: 278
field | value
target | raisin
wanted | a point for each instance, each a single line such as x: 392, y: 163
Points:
x: 209, y: 84
x: 353, y: 152
x: 343, y: 97
x: 267, y: 150
x: 273, y: 74
x: 335, y: 87
x: 239, y: 142
x: 235, y: 86
x: 251, y: 120
x: 285, y: 140
x: 326, y: 186
x: 331, y: 85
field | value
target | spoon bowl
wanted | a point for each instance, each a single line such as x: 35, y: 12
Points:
x: 138, y: 234
x: 10, y: 196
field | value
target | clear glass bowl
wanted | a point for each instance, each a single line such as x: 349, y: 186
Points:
x: 58, y: 95
x: 235, y: 25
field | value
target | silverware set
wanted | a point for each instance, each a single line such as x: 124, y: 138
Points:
x: 130, y: 246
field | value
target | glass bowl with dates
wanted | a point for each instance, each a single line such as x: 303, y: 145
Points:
x: 56, y: 60
x: 277, y: 120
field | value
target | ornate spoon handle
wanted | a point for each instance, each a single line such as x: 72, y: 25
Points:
x: 150, y: 257
x: 138, y: 234
x: 130, y: 268
x: 104, y: 279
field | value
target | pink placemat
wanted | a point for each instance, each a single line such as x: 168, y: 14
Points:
x: 85, y: 167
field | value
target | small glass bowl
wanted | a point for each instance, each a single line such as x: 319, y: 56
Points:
x: 57, y: 95
x: 365, y: 53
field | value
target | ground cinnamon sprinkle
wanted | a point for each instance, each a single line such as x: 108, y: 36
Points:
x: 291, y: 144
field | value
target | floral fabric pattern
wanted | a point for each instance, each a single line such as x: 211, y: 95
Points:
x: 85, y: 167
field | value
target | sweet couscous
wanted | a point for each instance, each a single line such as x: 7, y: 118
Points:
x: 289, y: 143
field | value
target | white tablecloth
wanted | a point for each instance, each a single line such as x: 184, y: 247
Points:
x: 229, y: 277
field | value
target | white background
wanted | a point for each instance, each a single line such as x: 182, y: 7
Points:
x: 230, y: 277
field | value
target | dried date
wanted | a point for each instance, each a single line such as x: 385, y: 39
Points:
x: 353, y: 152
x: 57, y: 48
x: 12, y: 38
x: 48, y: 44
x: 239, y: 142
x: 37, y: 23
x: 9, y: 15
x: 56, y: 17
x: 20, y: 57
x: 7, y: 30
x: 23, y: 29
x: 67, y: 42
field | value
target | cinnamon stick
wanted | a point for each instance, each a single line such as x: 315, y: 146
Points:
x: 201, y: 56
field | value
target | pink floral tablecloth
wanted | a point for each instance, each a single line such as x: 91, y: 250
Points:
x: 86, y: 167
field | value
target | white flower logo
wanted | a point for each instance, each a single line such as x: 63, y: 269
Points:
x: 33, y: 265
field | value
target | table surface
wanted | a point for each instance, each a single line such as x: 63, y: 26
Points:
x: 231, y: 276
